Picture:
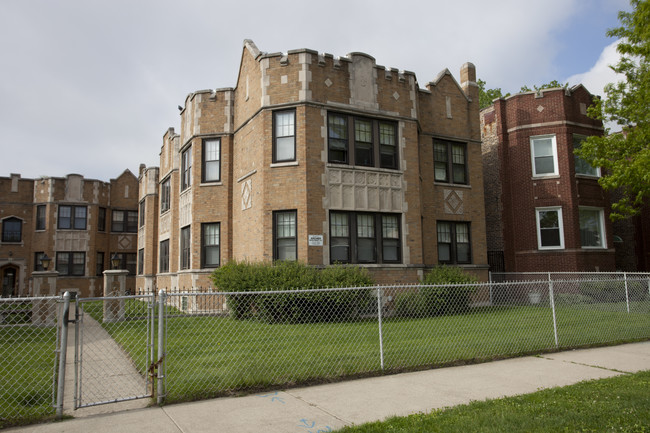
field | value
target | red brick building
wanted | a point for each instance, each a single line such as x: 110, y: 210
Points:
x: 544, y: 208
x: 320, y: 159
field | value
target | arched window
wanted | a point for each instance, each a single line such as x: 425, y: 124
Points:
x: 12, y: 229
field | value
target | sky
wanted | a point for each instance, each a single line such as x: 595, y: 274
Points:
x: 90, y: 87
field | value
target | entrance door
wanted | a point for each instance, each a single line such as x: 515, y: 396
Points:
x: 8, y: 282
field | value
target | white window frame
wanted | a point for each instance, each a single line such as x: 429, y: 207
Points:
x: 601, y: 223
x: 560, y: 222
x: 533, y: 139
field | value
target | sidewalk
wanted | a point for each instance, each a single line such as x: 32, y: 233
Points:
x: 328, y: 407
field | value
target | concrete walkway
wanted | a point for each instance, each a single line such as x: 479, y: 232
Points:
x: 325, y: 408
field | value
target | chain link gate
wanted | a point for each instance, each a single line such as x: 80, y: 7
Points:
x: 113, y: 349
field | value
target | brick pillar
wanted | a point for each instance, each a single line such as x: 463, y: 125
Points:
x: 44, y: 284
x: 114, y: 285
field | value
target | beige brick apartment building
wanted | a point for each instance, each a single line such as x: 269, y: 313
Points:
x: 79, y: 223
x: 320, y: 159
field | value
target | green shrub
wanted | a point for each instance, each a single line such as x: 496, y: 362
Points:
x: 437, y: 297
x: 287, y: 276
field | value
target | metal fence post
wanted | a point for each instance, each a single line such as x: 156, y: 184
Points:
x: 381, y: 335
x: 552, y: 300
x: 161, y: 347
x: 627, y: 296
x: 62, y: 355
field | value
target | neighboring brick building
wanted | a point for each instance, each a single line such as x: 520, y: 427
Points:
x: 79, y: 223
x: 319, y: 159
x: 544, y: 208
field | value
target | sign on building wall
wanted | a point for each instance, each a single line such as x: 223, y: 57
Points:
x: 315, y: 240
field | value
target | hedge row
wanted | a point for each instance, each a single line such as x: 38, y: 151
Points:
x: 293, y: 307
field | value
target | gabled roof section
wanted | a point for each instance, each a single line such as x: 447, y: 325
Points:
x: 126, y: 172
x: 444, y: 73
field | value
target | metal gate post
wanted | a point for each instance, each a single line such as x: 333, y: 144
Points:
x: 62, y: 355
x: 381, y: 335
x: 161, y: 347
x: 552, y: 300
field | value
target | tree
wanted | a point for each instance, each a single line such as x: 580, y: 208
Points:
x: 485, y: 97
x: 625, y: 156
x: 552, y: 85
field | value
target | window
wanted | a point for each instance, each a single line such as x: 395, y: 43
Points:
x: 543, y: 150
x: 186, y: 169
x: 374, y: 143
x: 38, y: 266
x: 141, y: 214
x: 185, y: 247
x: 165, y: 193
x: 140, y: 261
x: 72, y: 217
x: 124, y: 221
x: 128, y: 261
x: 592, y: 232
x: 99, y: 264
x: 550, y: 233
x: 450, y: 162
x: 101, y: 219
x: 582, y: 166
x: 12, y: 229
x: 211, y: 160
x: 364, y: 238
x: 164, y: 256
x: 454, y: 246
x: 40, y: 217
x: 71, y: 263
x: 284, y: 136
x: 284, y: 235
x: 210, y: 234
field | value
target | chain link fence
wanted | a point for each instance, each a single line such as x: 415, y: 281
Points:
x: 224, y: 343
x: 28, y: 358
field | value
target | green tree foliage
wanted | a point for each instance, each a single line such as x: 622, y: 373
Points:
x: 625, y: 157
x: 551, y: 85
x: 486, y: 96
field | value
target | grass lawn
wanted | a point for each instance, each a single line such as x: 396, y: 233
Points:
x: 616, y: 404
x: 26, y: 372
x: 210, y: 356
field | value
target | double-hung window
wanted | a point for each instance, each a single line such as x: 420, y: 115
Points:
x: 99, y: 264
x: 543, y: 150
x: 163, y: 266
x: 40, y: 217
x: 582, y: 166
x: 284, y: 235
x: 141, y: 261
x: 362, y: 141
x: 12, y: 229
x: 124, y: 221
x: 72, y: 217
x: 186, y: 168
x: 450, y: 162
x: 165, y: 195
x: 550, y: 230
x: 592, y: 228
x: 101, y: 219
x: 38, y: 256
x: 71, y: 263
x: 284, y: 136
x: 454, y: 246
x: 185, y: 247
x: 361, y: 237
x: 211, y: 160
x: 141, y: 214
x: 210, y: 245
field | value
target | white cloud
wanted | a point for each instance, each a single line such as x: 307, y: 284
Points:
x: 596, y: 78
